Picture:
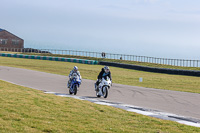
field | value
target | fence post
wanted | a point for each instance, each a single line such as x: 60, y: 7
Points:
x: 181, y: 62
x: 177, y: 62
x: 193, y: 63
x: 186, y: 63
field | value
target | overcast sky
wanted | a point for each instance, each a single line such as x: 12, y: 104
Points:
x: 158, y: 28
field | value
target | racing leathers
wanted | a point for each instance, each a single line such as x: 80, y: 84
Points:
x: 70, y: 76
x: 101, y: 75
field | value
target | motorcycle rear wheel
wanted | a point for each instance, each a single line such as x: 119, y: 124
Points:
x: 97, y: 94
x: 70, y: 91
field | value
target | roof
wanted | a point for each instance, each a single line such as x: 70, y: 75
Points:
x: 9, y: 33
x: 1, y: 29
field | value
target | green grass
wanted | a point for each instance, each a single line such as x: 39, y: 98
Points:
x: 27, y: 110
x: 119, y: 75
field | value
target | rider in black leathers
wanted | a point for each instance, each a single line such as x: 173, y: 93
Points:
x: 104, y: 72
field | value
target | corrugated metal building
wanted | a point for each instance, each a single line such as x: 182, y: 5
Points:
x: 10, y: 41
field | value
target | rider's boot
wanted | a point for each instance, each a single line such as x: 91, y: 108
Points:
x: 95, y: 86
x: 68, y: 84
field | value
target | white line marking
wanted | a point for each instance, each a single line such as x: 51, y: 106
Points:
x: 157, y: 114
x: 139, y: 110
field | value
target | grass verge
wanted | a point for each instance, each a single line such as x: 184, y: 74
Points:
x: 27, y: 110
x: 119, y: 75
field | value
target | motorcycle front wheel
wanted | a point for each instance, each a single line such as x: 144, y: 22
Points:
x: 105, y: 91
x: 75, y: 89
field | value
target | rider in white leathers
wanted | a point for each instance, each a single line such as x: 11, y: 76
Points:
x: 74, y: 70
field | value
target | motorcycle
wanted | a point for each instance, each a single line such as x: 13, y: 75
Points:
x: 103, y: 87
x: 75, y: 83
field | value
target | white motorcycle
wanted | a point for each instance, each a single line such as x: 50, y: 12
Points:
x: 103, y: 87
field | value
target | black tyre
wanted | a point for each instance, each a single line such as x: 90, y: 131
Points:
x: 105, y: 91
x: 70, y: 91
x: 97, y: 94
x: 75, y: 89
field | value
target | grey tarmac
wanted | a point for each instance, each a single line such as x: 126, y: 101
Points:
x: 179, y: 103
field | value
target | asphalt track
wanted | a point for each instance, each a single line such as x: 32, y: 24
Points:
x: 180, y: 103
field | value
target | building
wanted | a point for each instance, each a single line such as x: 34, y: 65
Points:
x: 9, y: 41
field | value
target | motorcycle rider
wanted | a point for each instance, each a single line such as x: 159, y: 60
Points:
x: 74, y: 70
x: 105, y: 71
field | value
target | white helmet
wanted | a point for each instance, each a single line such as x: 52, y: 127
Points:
x: 75, y: 68
x: 106, y: 69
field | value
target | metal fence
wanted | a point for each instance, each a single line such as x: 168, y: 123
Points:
x: 144, y: 59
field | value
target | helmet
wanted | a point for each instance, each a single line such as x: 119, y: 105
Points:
x: 75, y: 68
x: 106, y: 69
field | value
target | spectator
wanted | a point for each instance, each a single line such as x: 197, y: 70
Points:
x: 103, y: 55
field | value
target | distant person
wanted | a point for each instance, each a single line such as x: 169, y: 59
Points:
x: 120, y: 58
x: 74, y: 70
x: 103, y: 54
x: 104, y: 72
